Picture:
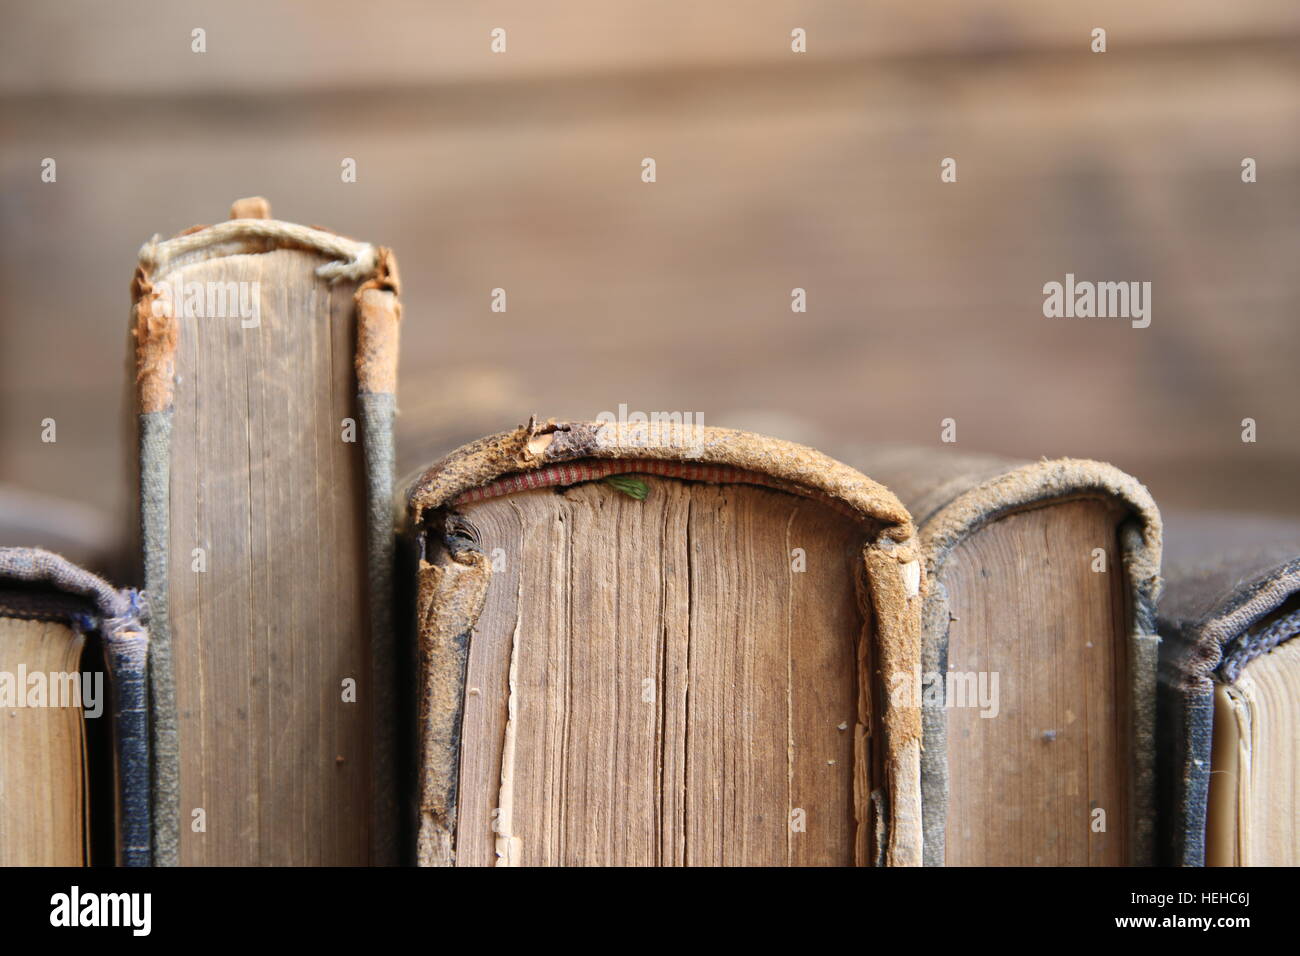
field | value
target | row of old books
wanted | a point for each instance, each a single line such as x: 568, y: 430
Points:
x: 630, y: 641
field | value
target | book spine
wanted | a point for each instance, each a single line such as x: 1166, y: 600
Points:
x: 1144, y: 655
x: 961, y: 504
x: 118, y: 617
x: 157, y: 332
x: 378, y: 314
x: 1187, y: 734
x: 155, y: 345
x: 892, y: 589
x: 126, y: 645
x: 1207, y: 637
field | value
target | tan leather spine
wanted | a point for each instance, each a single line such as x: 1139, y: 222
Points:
x: 894, y: 574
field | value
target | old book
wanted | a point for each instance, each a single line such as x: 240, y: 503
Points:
x: 1230, y: 692
x: 74, y: 748
x: 266, y: 357
x: 661, y: 646
x: 1039, y: 657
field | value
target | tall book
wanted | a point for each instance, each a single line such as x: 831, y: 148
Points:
x: 74, y: 749
x: 1230, y: 693
x: 661, y: 644
x: 266, y: 357
x: 1038, y: 657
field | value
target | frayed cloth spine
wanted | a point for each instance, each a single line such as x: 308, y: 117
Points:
x: 41, y: 567
x: 377, y: 410
x: 155, y: 475
x: 127, y: 651
x: 596, y: 469
x: 351, y: 260
x: 379, y: 314
x: 451, y: 595
x: 535, y: 445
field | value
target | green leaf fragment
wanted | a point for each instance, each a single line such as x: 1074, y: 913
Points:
x: 632, y: 487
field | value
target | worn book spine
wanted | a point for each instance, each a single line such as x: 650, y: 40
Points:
x: 1213, y: 600
x: 351, y: 288
x: 449, y: 597
x: 126, y: 647
x: 952, y: 496
x: 55, y: 588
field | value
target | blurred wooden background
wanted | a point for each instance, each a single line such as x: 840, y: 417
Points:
x: 775, y: 170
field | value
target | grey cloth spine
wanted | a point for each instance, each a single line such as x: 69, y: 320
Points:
x: 155, y: 472
x: 127, y: 651
x: 377, y: 410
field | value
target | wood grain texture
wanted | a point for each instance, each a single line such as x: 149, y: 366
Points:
x: 42, y: 753
x: 678, y: 690
x: 1027, y: 606
x: 816, y: 171
x: 326, y: 45
x: 264, y: 638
